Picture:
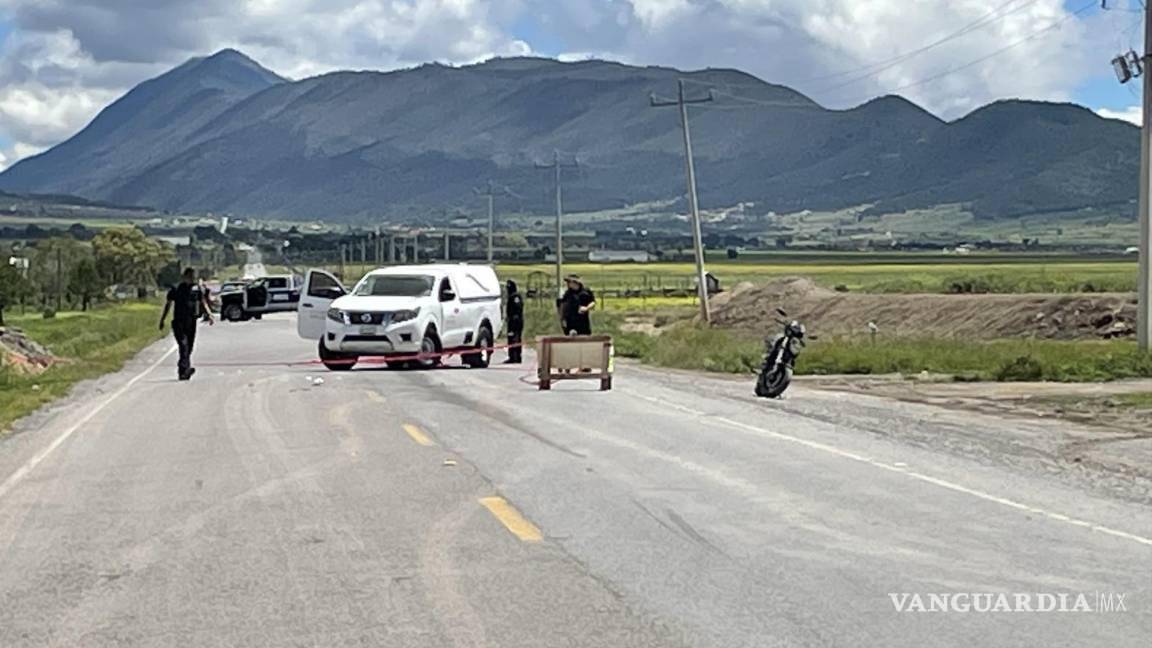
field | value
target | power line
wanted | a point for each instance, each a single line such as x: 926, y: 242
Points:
x: 995, y: 53
x: 1033, y: 35
x: 886, y: 64
x: 873, y: 73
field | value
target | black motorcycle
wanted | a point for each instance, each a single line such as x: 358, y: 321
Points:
x: 780, y: 354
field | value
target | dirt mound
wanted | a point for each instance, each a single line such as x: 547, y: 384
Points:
x: 1073, y: 316
x: 20, y: 352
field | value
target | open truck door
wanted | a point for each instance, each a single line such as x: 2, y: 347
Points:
x: 320, y: 290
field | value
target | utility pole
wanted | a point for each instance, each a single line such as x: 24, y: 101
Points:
x: 697, y: 236
x: 1144, y: 307
x: 1129, y: 66
x: 59, y: 278
x: 491, y: 195
x: 557, y: 166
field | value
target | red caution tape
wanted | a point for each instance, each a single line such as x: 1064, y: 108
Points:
x: 365, y: 359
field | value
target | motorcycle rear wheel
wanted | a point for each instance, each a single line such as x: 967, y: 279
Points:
x: 773, y: 384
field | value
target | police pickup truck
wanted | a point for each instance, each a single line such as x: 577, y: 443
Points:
x: 408, y: 315
x: 273, y: 294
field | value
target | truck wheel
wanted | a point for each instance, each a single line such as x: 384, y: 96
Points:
x: 481, y: 358
x: 232, y: 312
x: 336, y: 361
x: 429, y: 345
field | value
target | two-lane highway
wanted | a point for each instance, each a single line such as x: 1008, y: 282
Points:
x: 254, y: 507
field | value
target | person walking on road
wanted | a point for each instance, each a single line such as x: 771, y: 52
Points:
x: 514, y: 315
x: 187, y: 303
x: 576, y: 304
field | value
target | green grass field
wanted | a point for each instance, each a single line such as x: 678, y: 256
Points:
x: 873, y: 273
x: 1058, y: 275
x: 684, y: 345
x: 92, y: 343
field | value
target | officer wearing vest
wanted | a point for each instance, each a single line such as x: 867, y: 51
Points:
x: 514, y: 316
x: 187, y: 302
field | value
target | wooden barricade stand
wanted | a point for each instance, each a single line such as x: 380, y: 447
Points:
x: 575, y: 357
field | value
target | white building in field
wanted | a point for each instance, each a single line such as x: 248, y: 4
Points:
x: 619, y: 256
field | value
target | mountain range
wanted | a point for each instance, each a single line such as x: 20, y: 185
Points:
x: 223, y: 134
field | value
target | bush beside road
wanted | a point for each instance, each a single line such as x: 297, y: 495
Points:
x: 87, y: 344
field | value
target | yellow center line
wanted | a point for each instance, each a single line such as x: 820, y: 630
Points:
x: 511, y: 519
x: 418, y: 435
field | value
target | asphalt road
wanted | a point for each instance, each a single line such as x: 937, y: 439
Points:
x: 454, y: 507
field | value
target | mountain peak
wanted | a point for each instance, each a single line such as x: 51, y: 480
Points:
x: 222, y: 133
x: 229, y: 53
x: 230, y: 63
x: 895, y: 106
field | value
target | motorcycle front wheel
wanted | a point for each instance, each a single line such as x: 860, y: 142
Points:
x: 772, y: 384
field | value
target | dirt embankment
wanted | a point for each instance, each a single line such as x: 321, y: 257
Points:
x: 823, y: 311
x: 23, y: 354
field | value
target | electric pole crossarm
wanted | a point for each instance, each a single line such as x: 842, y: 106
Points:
x: 665, y: 103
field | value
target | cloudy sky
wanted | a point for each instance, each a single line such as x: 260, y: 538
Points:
x: 61, y: 61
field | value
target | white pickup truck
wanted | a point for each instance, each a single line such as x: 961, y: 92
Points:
x: 401, y: 312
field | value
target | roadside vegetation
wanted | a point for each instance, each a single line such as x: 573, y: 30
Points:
x: 68, y: 294
x: 683, y: 344
x: 87, y: 345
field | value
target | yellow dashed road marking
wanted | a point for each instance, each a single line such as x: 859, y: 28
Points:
x: 418, y: 435
x: 511, y: 518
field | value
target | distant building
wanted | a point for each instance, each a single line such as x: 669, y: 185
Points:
x: 619, y: 256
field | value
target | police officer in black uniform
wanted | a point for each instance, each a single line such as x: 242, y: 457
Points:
x: 187, y: 303
x: 577, y: 302
x: 514, y: 316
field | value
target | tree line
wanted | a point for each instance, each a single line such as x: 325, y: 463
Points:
x: 63, y: 272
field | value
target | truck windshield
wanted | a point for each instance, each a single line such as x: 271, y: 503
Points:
x: 395, y: 286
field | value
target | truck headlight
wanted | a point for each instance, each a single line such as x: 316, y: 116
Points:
x: 405, y: 315
x: 336, y: 315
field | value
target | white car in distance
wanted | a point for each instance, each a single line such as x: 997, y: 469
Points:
x: 401, y: 312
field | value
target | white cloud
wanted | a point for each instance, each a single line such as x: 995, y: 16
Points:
x: 844, y: 52
x: 65, y: 60
x: 1131, y: 114
x: 22, y: 150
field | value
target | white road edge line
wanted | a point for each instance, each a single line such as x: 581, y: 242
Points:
x: 31, y: 464
x: 816, y: 445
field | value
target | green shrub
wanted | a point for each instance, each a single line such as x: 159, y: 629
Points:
x: 1020, y: 368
